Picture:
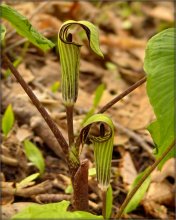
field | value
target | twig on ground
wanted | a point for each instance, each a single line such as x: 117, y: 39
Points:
x: 9, y: 161
x: 50, y: 198
x: 135, y: 137
x: 27, y: 192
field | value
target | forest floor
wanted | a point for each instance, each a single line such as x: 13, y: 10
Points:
x: 124, y: 29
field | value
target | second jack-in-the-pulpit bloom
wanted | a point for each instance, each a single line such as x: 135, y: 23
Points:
x: 99, y: 130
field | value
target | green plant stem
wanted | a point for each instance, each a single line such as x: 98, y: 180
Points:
x: 122, y: 95
x: 55, y: 130
x: 104, y: 203
x: 149, y: 171
x: 69, y: 112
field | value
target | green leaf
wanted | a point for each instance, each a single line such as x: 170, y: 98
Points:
x: 25, y: 182
x: 88, y: 115
x: 69, y: 189
x: 103, y: 145
x: 159, y: 66
x: 7, y: 120
x: 92, y: 171
x: 134, y: 202
x: 98, y: 95
x: 55, y: 86
x: 109, y: 201
x: 111, y: 66
x: 34, y: 155
x: 3, y: 31
x: 53, y: 211
x: 24, y: 28
x: 70, y: 56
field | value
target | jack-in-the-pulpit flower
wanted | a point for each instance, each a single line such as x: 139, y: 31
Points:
x: 70, y: 56
x: 102, y: 140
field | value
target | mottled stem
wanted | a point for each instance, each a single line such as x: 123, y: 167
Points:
x: 80, y: 187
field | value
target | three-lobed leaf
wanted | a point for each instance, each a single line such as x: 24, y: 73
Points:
x: 34, y: 155
x: 53, y: 211
x: 159, y: 66
x: 24, y: 28
x: 8, y: 120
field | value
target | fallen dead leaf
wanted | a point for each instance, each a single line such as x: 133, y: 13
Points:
x: 23, y: 133
x: 156, y: 210
x: 25, y: 73
x: 162, y: 12
x: 168, y: 170
x: 127, y: 170
x: 46, y: 23
x: 122, y: 42
x: 161, y: 193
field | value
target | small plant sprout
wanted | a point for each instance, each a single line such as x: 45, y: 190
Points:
x: 8, y: 120
x: 55, y: 86
x: 34, y: 155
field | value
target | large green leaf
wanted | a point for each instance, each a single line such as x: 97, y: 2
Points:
x: 134, y: 202
x: 70, y: 56
x: 24, y: 28
x: 103, y: 145
x: 53, y: 211
x: 159, y: 66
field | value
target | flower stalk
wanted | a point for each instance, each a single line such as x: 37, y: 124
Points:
x: 70, y: 60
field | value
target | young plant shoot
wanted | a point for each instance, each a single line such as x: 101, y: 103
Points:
x: 69, y: 59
